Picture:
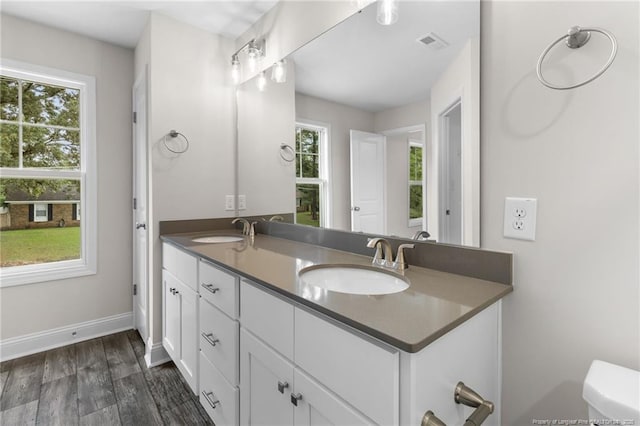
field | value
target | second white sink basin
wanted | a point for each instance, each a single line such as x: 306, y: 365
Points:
x: 353, y: 279
x: 217, y: 239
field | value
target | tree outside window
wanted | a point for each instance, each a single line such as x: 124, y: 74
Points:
x: 310, y: 184
x: 415, y: 183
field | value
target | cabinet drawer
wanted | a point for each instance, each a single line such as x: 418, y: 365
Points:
x: 217, y: 396
x: 359, y: 371
x: 219, y: 288
x: 268, y: 317
x: 219, y: 340
x: 182, y: 265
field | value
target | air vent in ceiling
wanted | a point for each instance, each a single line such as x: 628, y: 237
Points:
x: 433, y: 41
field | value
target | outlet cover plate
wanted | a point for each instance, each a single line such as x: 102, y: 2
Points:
x: 520, y: 218
x: 230, y: 202
x: 242, y: 202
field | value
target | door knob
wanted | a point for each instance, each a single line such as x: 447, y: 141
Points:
x: 282, y: 386
x: 295, y: 397
x: 355, y: 209
x: 141, y: 225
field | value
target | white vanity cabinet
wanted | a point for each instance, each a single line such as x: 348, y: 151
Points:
x: 180, y: 312
x: 219, y: 343
x: 282, y: 347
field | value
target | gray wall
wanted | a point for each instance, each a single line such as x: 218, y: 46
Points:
x: 576, y: 288
x: 37, y: 307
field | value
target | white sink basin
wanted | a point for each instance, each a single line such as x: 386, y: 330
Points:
x: 353, y: 279
x: 216, y: 239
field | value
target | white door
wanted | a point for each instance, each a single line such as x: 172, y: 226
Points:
x: 450, y: 214
x: 367, y: 182
x: 266, y: 384
x: 140, y: 242
x: 319, y: 407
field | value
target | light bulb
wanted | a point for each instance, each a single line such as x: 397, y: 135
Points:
x: 253, y: 54
x: 387, y: 12
x: 261, y: 82
x: 235, y: 69
x: 279, y: 71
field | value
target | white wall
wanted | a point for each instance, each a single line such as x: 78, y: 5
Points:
x: 576, y: 289
x: 460, y: 81
x: 341, y: 119
x: 265, y: 121
x: 38, y: 307
x: 189, y: 92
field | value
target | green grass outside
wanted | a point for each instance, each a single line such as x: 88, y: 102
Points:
x: 304, y: 218
x: 28, y: 246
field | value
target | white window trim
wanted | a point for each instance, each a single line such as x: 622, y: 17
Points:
x: 87, y: 264
x: 418, y: 221
x: 324, y: 166
x: 35, y: 212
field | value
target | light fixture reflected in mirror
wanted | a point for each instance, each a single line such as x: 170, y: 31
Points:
x: 279, y: 71
x: 387, y: 12
x: 261, y: 81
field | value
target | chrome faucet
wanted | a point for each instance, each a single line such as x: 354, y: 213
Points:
x: 276, y: 218
x: 421, y: 235
x: 246, y: 226
x: 384, y: 252
x: 252, y: 229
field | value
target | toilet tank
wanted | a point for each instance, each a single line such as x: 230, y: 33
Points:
x: 613, y: 393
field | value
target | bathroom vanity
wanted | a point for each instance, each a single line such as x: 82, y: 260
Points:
x: 260, y: 346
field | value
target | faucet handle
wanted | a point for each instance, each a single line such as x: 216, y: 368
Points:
x: 376, y: 243
x: 252, y: 229
x: 400, y: 262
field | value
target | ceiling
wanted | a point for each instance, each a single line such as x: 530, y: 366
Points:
x: 122, y: 22
x: 374, y: 67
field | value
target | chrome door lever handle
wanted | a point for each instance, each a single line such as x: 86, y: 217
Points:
x: 141, y: 225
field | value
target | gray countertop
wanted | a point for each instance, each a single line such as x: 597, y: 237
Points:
x: 435, y: 302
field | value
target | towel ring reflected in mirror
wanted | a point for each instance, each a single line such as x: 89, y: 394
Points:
x: 287, y: 153
x: 577, y: 37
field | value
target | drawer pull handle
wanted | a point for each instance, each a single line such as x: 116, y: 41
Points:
x: 211, y: 288
x: 282, y: 386
x: 295, y: 397
x: 209, y: 338
x: 209, y: 397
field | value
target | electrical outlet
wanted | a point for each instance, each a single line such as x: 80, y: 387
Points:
x: 242, y: 202
x: 230, y: 202
x: 520, y: 218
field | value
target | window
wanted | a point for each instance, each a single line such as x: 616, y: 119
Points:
x: 311, y: 175
x: 415, y: 183
x: 47, y: 164
x: 41, y: 212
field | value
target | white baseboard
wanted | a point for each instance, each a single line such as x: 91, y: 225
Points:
x: 28, y: 344
x: 155, y: 354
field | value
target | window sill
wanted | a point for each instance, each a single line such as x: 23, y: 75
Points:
x: 415, y: 222
x: 32, y: 274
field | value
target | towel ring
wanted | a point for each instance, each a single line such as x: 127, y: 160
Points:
x: 175, y: 134
x: 287, y: 153
x: 576, y: 38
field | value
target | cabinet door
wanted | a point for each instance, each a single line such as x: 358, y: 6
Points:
x: 171, y: 316
x: 318, y: 406
x: 188, y: 334
x: 265, y: 384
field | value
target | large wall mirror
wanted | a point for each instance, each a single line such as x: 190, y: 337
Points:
x: 376, y: 128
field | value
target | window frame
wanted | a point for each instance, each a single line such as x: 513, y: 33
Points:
x: 323, y: 169
x: 417, y: 221
x: 87, y: 175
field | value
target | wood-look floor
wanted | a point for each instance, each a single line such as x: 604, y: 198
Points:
x: 103, y: 381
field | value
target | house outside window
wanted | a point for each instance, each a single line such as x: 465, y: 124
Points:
x: 312, y: 207
x: 415, y: 183
x: 47, y: 167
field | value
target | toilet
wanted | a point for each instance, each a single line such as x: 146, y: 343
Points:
x: 613, y: 394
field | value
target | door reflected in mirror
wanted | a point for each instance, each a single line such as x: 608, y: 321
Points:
x: 386, y: 125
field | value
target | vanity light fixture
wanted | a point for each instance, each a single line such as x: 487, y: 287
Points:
x: 261, y: 82
x: 387, y: 12
x: 255, y: 51
x: 279, y: 71
x: 235, y: 69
